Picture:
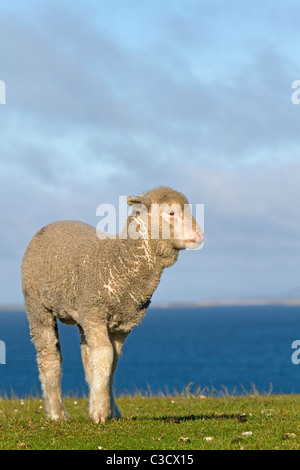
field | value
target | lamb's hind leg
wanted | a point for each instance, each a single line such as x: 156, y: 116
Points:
x: 45, y: 338
x: 85, y: 355
x: 117, y: 340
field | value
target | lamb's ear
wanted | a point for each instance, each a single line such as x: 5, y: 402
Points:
x: 138, y: 204
x: 137, y: 200
x: 134, y: 200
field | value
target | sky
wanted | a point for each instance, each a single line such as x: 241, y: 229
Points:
x: 108, y: 98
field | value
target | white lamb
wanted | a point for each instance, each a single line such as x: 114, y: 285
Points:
x: 102, y: 285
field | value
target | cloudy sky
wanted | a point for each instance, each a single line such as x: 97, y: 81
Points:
x: 108, y: 98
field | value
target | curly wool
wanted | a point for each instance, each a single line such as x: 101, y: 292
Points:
x: 71, y: 271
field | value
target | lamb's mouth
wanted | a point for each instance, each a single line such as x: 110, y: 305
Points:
x: 192, y: 244
x: 193, y: 240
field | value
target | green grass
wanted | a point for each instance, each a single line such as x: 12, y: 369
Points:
x: 157, y: 423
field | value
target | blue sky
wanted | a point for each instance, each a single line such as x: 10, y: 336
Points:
x: 108, y: 98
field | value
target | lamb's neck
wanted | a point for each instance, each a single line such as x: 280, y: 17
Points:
x: 149, y: 258
x: 165, y: 254
x: 159, y: 253
x: 146, y: 260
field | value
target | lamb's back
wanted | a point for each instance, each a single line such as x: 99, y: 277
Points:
x: 51, y: 260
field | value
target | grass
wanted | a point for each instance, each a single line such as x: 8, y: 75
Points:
x: 157, y: 423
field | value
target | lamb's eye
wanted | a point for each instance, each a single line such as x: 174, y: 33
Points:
x: 172, y: 213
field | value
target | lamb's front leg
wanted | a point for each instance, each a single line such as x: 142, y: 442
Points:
x: 101, y: 356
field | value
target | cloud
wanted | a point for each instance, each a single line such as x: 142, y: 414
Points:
x: 69, y: 79
x: 99, y: 108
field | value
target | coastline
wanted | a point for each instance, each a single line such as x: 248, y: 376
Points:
x: 227, y: 303
x: 195, y: 304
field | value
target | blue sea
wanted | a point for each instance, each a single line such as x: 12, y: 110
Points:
x: 221, y: 349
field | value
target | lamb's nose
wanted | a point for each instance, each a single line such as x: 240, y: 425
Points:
x: 199, y: 236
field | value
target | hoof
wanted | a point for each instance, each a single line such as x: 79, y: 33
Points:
x: 99, y: 417
x: 58, y: 416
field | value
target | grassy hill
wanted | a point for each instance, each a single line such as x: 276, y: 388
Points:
x: 156, y: 423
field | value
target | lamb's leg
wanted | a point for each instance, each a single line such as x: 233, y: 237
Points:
x: 100, y: 355
x: 117, y: 340
x: 45, y: 338
x: 85, y: 357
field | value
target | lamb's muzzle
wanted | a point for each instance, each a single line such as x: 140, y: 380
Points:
x: 197, y: 238
x: 102, y: 285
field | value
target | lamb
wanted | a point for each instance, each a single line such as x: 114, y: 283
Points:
x: 102, y: 284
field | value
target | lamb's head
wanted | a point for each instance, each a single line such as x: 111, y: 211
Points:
x: 163, y: 213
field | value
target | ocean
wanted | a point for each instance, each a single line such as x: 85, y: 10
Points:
x: 220, y: 349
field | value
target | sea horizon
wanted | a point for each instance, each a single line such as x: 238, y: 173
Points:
x: 285, y: 301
